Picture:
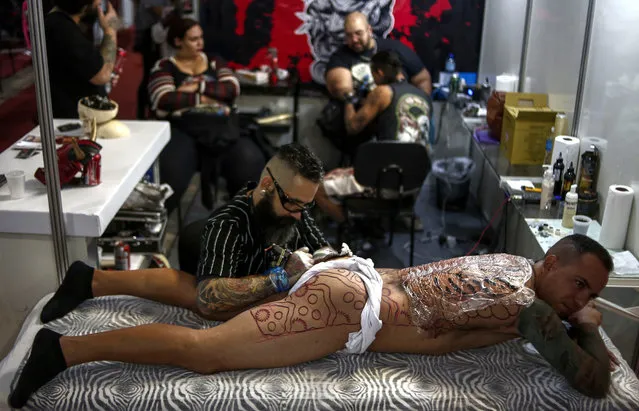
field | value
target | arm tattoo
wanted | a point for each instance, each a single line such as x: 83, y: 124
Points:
x: 584, y: 363
x: 230, y: 294
x: 108, y: 49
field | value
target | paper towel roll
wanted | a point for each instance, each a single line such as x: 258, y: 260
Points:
x: 507, y: 83
x: 569, y: 148
x: 614, y: 225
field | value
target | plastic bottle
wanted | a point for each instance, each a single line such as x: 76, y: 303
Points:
x: 450, y: 63
x: 570, y: 207
x: 557, y: 172
x: 547, y: 185
x: 549, y: 143
x: 569, y: 180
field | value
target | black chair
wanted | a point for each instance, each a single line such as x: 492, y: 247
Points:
x: 396, y: 171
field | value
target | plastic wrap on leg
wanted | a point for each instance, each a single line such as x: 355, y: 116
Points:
x: 446, y: 290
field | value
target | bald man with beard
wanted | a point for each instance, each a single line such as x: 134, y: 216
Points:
x: 359, y: 47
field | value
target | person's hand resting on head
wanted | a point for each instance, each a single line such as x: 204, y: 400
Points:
x: 590, y: 315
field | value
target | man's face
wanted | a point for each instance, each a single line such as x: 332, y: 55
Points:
x: 91, y: 12
x: 279, y: 209
x: 568, y: 286
x: 358, y: 35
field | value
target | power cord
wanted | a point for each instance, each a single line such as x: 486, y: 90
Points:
x: 490, y: 223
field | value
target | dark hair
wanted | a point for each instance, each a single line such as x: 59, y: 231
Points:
x: 178, y: 29
x: 302, y: 161
x: 72, y: 6
x: 389, y: 63
x: 579, y: 244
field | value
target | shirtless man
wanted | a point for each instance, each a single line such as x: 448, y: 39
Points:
x: 460, y: 303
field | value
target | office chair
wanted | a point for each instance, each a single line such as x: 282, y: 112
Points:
x: 396, y: 171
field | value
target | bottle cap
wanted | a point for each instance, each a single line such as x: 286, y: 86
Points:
x: 573, y: 188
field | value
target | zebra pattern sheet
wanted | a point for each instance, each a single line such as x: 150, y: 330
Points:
x: 501, y: 377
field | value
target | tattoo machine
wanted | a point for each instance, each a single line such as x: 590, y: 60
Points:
x: 448, y: 290
x: 277, y: 256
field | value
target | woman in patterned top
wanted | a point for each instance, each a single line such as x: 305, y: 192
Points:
x: 188, y: 79
x: 460, y: 303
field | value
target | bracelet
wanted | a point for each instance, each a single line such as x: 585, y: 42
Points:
x: 279, y: 278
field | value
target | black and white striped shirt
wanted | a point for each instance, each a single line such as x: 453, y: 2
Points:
x: 231, y: 244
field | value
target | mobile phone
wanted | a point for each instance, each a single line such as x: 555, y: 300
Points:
x: 69, y: 127
x: 105, y: 6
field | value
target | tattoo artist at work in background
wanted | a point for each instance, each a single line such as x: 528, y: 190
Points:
x: 76, y: 68
x: 239, y: 265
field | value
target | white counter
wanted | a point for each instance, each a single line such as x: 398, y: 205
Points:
x: 27, y: 261
x: 87, y: 210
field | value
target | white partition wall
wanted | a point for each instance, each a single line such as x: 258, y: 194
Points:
x: 502, y: 38
x: 610, y: 107
x: 555, y: 44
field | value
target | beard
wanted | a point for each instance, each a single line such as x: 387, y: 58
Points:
x: 275, y: 229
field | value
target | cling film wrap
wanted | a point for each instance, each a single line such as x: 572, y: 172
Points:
x: 449, y: 289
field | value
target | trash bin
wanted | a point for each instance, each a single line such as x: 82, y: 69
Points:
x: 452, y: 176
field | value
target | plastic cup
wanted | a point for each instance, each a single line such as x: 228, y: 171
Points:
x: 15, y: 180
x: 581, y: 224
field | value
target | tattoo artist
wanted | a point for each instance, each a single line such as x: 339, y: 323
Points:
x: 251, y: 250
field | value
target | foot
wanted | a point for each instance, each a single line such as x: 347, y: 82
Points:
x: 75, y: 288
x: 45, y: 362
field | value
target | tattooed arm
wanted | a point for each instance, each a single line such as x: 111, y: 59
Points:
x: 233, y: 295
x: 584, y: 363
x: 109, y: 23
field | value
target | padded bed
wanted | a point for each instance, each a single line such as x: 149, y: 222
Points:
x: 503, y: 377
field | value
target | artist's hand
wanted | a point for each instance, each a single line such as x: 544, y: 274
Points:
x: 299, y: 262
x: 325, y: 254
x: 587, y: 315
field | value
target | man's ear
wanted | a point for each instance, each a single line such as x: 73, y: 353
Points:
x: 266, y: 183
x: 549, y: 262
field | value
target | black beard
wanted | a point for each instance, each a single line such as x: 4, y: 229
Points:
x: 90, y: 15
x: 275, y: 229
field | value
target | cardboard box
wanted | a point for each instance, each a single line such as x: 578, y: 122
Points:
x: 527, y: 123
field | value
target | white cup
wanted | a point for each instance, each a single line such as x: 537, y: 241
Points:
x: 581, y: 224
x: 15, y: 180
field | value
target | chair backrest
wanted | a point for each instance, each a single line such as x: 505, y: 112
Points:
x: 377, y: 161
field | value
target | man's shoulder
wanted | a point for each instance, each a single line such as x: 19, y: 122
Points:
x: 59, y: 21
x: 393, y: 45
x: 236, y: 211
x: 342, y: 57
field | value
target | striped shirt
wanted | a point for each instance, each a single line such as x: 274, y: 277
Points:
x: 217, y: 82
x: 231, y: 244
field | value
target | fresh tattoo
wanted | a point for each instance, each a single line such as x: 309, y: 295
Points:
x: 334, y: 298
x: 230, y: 294
x: 585, y: 363
x: 468, y: 293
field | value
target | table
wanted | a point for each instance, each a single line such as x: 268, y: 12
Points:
x: 27, y: 263
x: 518, y: 222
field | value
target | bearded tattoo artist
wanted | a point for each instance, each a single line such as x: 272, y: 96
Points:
x: 239, y: 266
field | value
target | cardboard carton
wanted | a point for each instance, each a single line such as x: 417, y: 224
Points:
x: 527, y: 123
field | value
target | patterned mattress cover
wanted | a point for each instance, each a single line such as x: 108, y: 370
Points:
x: 502, y: 377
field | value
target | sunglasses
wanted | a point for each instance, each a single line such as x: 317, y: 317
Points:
x: 291, y: 205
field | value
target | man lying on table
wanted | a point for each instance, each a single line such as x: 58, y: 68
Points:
x: 345, y: 303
